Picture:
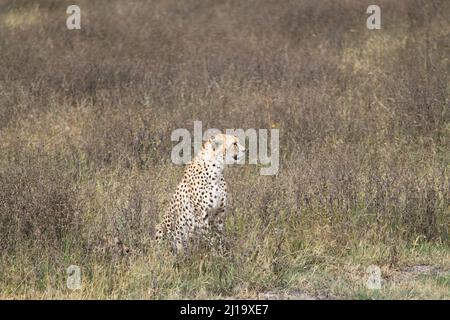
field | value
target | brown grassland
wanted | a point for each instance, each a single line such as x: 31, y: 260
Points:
x: 85, y: 123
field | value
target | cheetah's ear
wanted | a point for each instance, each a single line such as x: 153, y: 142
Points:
x: 215, y: 143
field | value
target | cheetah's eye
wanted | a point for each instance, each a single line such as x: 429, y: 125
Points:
x: 235, y: 143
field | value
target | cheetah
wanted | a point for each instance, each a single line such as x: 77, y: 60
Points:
x: 198, y: 206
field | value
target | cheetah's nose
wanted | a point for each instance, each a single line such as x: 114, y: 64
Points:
x: 235, y: 157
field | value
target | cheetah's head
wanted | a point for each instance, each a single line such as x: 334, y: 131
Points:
x: 224, y: 148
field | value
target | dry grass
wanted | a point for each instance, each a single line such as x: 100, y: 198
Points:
x: 364, y: 119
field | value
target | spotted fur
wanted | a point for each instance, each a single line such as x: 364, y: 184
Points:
x: 199, y: 203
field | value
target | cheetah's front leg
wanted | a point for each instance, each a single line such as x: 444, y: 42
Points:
x: 217, y: 236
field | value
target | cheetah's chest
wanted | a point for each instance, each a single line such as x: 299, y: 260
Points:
x: 215, y: 195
